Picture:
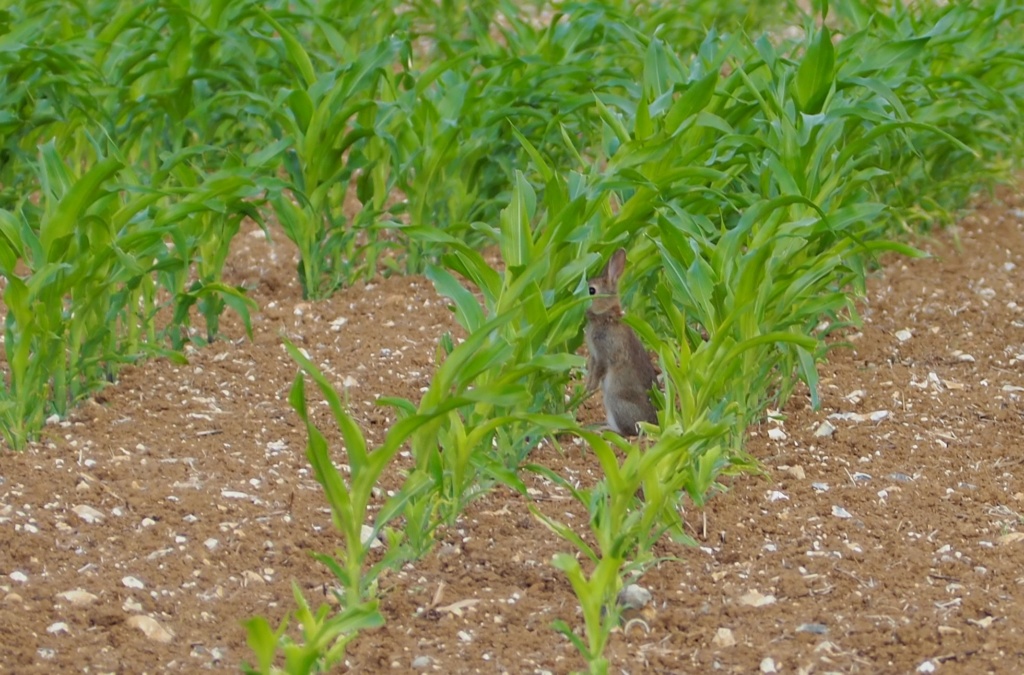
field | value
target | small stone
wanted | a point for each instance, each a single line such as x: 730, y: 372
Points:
x: 464, y: 636
x: 88, y: 513
x: 796, y: 472
x: 983, y: 622
x: 634, y: 597
x: 824, y: 430
x: 368, y: 537
x: 840, y: 512
x: 777, y: 434
x: 448, y: 550
x: 856, y: 396
x: 754, y: 598
x: 234, y: 494
x: 58, y: 627
x: 421, y: 662
x: 213, y: 655
x: 900, y: 477
x: 18, y: 576
x: 904, y: 335
x: 820, y: 487
x: 151, y: 628
x: 768, y: 665
x: 813, y: 628
x: 776, y: 496
x: 723, y: 638
x: 78, y: 597
x: 132, y: 582
x: 926, y: 667
x: 251, y: 577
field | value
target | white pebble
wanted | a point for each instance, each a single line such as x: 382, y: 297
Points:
x: 840, y: 512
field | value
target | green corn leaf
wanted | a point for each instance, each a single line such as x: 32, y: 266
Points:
x: 809, y: 372
x: 814, y: 77
x: 538, y: 161
x: 656, y: 78
x: 516, y: 236
x: 86, y: 191
x: 262, y: 640
x: 297, y: 54
x: 301, y: 105
x: 693, y: 100
x: 242, y: 304
x: 467, y: 309
x: 642, y: 126
x: 893, y: 54
x: 613, y: 121
x: 10, y: 243
x: 355, y: 442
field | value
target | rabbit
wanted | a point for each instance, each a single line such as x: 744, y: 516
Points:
x: 618, y: 362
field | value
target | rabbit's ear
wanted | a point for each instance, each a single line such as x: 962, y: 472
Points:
x: 616, y: 266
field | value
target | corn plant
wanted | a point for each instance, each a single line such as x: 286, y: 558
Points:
x: 956, y: 68
x: 457, y: 131
x: 527, y: 327
x: 325, y: 637
x: 51, y: 315
x: 204, y: 214
x: 624, y: 526
x: 350, y: 503
x: 325, y: 125
x: 323, y: 642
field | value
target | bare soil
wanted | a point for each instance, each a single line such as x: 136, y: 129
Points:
x: 893, y: 545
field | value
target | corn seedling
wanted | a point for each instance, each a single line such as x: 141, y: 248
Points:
x: 326, y: 124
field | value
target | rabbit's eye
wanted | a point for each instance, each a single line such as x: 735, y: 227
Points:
x: 593, y: 291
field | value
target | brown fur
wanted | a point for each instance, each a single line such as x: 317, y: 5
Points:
x: 618, y: 362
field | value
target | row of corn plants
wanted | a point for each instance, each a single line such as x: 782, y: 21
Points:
x: 754, y: 182
x: 176, y: 120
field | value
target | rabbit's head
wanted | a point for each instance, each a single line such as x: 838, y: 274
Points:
x: 604, y: 288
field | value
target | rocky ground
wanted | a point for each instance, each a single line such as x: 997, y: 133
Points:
x: 886, y: 537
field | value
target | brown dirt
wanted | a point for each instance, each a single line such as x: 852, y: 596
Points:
x: 208, y: 502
